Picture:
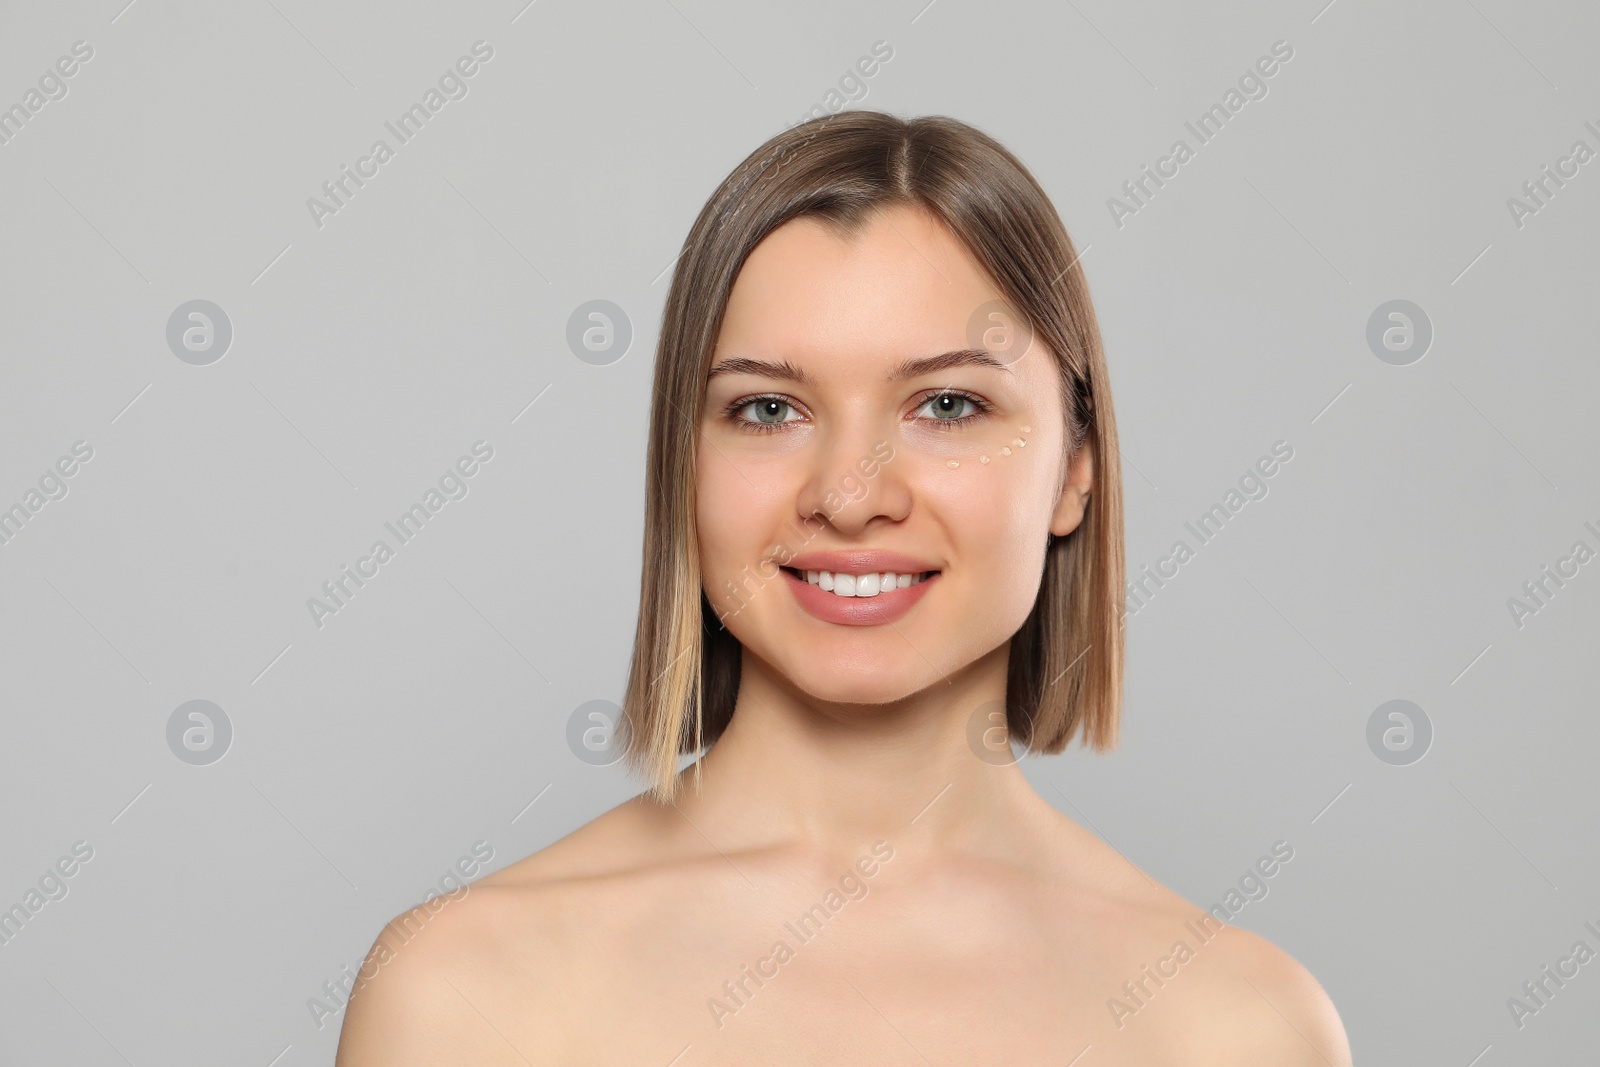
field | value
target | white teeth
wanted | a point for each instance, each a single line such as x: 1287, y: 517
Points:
x: 863, y: 584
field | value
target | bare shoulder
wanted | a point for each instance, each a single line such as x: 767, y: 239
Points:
x: 452, y: 980
x: 1198, y: 990
x: 1240, y: 999
x: 1283, y: 1015
x: 417, y: 995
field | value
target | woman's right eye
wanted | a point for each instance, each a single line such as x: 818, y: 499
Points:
x: 766, y: 413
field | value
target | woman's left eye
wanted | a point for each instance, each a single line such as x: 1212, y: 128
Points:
x: 946, y: 408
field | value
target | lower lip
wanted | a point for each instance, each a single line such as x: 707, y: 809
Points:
x: 857, y: 610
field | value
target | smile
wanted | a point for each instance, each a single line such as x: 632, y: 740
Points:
x: 858, y: 599
x: 867, y: 585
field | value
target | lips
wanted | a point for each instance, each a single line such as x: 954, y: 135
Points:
x: 860, y: 561
x: 884, y: 608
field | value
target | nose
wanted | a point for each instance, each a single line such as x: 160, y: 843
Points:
x: 853, y: 479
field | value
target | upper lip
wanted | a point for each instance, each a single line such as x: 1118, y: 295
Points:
x: 860, y: 561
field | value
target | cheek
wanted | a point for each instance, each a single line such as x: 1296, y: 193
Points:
x: 716, y: 515
x: 998, y: 483
x: 996, y: 516
x: 733, y: 512
x: 992, y: 515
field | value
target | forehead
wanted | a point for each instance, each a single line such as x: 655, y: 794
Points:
x: 903, y: 282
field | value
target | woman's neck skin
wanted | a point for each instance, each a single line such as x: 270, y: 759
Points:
x: 791, y: 772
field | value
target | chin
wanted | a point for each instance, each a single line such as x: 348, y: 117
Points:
x: 871, y: 680
x: 867, y: 692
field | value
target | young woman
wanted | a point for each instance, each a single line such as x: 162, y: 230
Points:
x: 883, y: 538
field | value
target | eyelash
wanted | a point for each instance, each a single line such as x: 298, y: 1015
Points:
x: 731, y: 412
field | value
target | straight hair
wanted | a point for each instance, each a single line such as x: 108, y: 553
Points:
x: 1065, y: 669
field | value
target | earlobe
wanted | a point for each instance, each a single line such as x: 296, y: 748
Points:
x: 1069, y: 513
x: 1075, y: 493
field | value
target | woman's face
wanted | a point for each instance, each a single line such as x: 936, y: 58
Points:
x: 955, y: 469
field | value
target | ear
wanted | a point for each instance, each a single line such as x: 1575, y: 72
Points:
x: 1075, y: 491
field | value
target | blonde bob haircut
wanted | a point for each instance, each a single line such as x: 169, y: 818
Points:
x: 1065, y: 672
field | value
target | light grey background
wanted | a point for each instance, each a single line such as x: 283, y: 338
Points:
x: 369, y: 754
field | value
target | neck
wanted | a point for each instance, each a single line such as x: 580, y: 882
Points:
x: 790, y: 771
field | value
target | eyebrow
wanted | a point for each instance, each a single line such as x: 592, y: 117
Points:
x: 784, y: 371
